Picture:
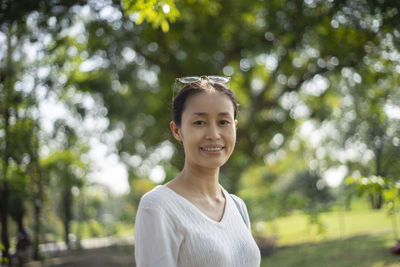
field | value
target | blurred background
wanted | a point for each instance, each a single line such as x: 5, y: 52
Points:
x: 85, y: 96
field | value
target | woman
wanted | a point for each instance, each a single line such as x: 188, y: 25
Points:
x: 192, y: 220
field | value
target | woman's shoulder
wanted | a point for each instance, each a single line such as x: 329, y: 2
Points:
x: 241, y: 206
x: 238, y: 200
x: 235, y: 198
x: 155, y: 198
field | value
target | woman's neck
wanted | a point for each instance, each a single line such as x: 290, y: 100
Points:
x: 201, y: 182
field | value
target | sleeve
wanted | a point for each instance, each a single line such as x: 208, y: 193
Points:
x: 156, y: 242
x: 246, y: 214
x: 242, y: 209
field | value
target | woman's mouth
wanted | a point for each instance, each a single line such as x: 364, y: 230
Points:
x: 212, y: 150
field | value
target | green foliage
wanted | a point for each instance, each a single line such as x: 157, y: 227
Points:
x: 240, y: 38
x: 95, y: 228
x: 67, y: 165
x: 19, y: 193
x: 3, y: 259
x: 159, y: 13
x: 308, y: 191
x: 314, y: 219
x: 389, y: 189
x: 373, y: 184
x: 291, y: 62
x: 284, y: 185
x: 256, y: 191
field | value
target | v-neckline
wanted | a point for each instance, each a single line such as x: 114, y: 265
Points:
x: 194, y: 207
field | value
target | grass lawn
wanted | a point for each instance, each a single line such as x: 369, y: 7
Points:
x: 360, y: 237
x: 295, y: 229
x: 364, y: 250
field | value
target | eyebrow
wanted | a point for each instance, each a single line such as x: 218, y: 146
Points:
x: 205, y: 113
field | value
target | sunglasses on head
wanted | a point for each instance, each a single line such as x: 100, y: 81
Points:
x: 213, y: 78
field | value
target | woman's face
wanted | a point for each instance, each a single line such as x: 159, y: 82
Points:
x: 208, y: 129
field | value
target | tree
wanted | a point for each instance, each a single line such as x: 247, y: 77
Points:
x: 67, y: 171
x: 366, y: 126
x: 377, y: 184
x: 19, y: 129
x: 21, y: 27
x: 273, y: 50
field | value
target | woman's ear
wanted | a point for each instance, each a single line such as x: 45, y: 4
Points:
x: 175, y: 131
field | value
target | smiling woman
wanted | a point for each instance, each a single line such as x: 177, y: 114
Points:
x: 207, y: 130
x: 192, y: 220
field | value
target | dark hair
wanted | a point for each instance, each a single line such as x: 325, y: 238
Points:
x: 196, y: 88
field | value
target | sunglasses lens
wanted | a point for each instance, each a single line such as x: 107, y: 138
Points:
x: 190, y: 79
x: 219, y: 79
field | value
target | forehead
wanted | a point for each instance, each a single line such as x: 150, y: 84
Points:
x: 212, y: 103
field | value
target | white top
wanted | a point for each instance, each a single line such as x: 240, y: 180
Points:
x: 171, y: 231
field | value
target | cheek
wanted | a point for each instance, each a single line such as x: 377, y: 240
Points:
x: 232, y: 135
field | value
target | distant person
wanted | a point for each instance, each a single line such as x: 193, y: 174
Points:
x: 192, y: 220
x: 24, y: 248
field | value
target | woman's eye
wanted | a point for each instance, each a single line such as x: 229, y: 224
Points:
x: 225, y: 122
x: 199, y: 123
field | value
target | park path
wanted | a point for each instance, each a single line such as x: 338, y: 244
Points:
x: 117, y: 256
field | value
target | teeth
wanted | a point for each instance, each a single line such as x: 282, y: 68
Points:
x: 212, y: 148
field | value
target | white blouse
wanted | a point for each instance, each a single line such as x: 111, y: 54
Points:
x: 171, y: 231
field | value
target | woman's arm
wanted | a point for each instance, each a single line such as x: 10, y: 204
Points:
x: 156, y: 241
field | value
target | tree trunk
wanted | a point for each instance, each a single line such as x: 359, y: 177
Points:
x: 37, y: 197
x: 67, y: 214
x: 376, y: 199
x: 8, y: 89
x: 36, y: 234
x: 4, y: 224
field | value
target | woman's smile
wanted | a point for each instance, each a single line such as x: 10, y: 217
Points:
x: 212, y: 149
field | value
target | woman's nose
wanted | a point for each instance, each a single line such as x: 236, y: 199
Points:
x: 213, y: 132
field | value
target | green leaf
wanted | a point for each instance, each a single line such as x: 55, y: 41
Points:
x: 164, y: 26
x: 157, y: 13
